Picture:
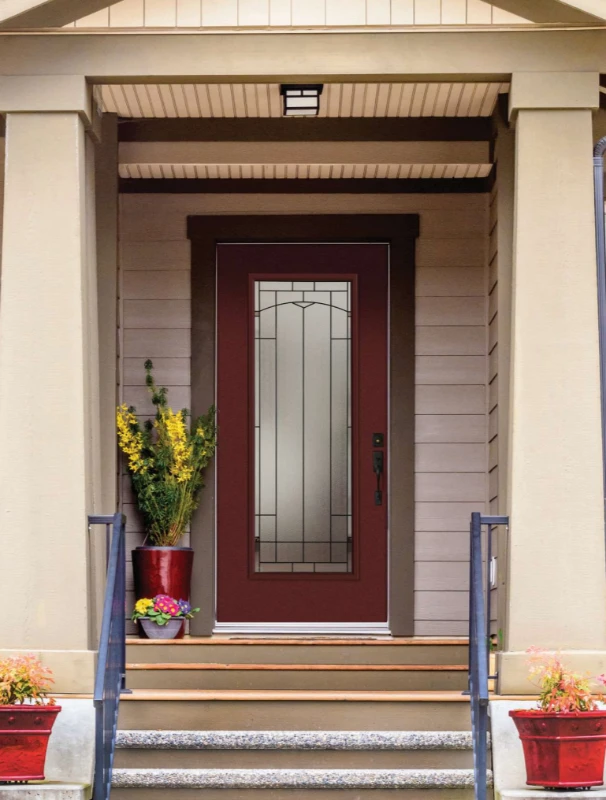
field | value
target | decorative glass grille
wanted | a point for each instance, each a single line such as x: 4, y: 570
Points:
x: 303, y: 426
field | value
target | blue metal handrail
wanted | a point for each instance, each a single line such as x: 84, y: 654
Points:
x: 479, y: 650
x: 111, y: 665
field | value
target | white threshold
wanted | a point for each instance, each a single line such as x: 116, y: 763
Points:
x: 303, y: 628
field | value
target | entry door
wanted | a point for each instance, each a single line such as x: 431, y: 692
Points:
x: 302, y: 416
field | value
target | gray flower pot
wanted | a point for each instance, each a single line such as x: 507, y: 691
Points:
x: 168, y: 631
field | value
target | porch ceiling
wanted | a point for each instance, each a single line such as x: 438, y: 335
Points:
x: 303, y: 171
x: 258, y: 100
x: 305, y: 160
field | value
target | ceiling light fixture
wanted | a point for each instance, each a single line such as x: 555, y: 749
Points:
x: 301, y: 100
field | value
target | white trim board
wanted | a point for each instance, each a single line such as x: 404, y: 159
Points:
x: 304, y: 628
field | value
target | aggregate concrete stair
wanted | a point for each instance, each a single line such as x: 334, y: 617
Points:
x: 294, y: 750
x: 310, y: 783
x: 295, y: 718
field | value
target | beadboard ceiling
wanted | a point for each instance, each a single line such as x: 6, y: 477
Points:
x: 339, y: 100
x: 303, y: 171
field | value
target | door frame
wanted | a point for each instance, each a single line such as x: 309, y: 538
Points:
x: 399, y: 231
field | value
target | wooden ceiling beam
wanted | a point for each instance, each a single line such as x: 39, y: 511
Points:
x: 325, y: 129
x: 298, y: 186
x: 304, y: 152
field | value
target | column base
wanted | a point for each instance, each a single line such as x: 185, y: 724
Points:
x: 513, y: 667
x: 73, y: 670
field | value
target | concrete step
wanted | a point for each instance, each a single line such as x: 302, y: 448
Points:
x: 293, y: 710
x: 294, y: 749
x: 229, y: 784
x: 298, y: 651
x: 313, y: 677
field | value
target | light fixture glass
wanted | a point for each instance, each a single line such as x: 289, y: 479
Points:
x: 301, y: 100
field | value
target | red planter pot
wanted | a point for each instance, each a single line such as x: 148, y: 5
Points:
x: 24, y: 735
x: 163, y: 570
x: 563, y: 751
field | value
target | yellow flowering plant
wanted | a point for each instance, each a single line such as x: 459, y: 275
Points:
x: 166, y: 460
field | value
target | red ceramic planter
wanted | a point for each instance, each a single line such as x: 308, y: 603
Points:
x: 563, y: 751
x: 24, y: 735
x: 163, y: 570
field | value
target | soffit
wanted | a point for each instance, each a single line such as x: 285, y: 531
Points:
x: 262, y: 100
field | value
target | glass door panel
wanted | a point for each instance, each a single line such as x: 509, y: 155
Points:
x: 303, y: 424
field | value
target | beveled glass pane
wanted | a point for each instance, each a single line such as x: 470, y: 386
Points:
x: 302, y: 426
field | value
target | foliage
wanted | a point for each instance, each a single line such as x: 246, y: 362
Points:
x: 166, y: 461
x: 561, y: 690
x: 24, y: 678
x: 162, y: 608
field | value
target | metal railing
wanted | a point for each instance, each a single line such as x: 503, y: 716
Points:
x: 111, y: 666
x: 479, y: 638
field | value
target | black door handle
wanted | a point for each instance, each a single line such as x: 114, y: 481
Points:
x: 377, y: 465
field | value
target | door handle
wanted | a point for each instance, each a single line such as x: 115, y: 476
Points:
x: 377, y: 465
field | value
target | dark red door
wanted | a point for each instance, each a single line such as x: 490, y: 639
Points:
x: 302, y: 415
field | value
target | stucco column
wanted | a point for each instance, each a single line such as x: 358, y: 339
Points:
x: 556, y: 595
x: 49, y: 473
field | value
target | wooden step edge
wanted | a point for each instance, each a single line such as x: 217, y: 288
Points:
x: 302, y: 642
x: 298, y: 667
x: 245, y: 695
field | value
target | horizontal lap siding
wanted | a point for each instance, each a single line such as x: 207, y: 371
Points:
x: 451, y: 364
x: 156, y: 323
x: 451, y: 422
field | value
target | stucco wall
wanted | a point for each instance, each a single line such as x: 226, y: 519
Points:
x: 451, y: 363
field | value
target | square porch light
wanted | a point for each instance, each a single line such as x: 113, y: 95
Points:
x: 301, y: 100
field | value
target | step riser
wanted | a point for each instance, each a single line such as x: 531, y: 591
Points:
x: 295, y: 654
x: 312, y: 680
x: 292, y: 794
x: 293, y: 759
x: 293, y: 715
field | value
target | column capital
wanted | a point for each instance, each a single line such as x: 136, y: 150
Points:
x: 21, y: 94
x: 553, y: 90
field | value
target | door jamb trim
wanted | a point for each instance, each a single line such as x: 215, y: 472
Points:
x: 399, y: 231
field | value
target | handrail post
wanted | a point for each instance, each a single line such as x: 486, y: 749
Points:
x: 479, y: 637
x: 111, y: 665
x: 122, y: 616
